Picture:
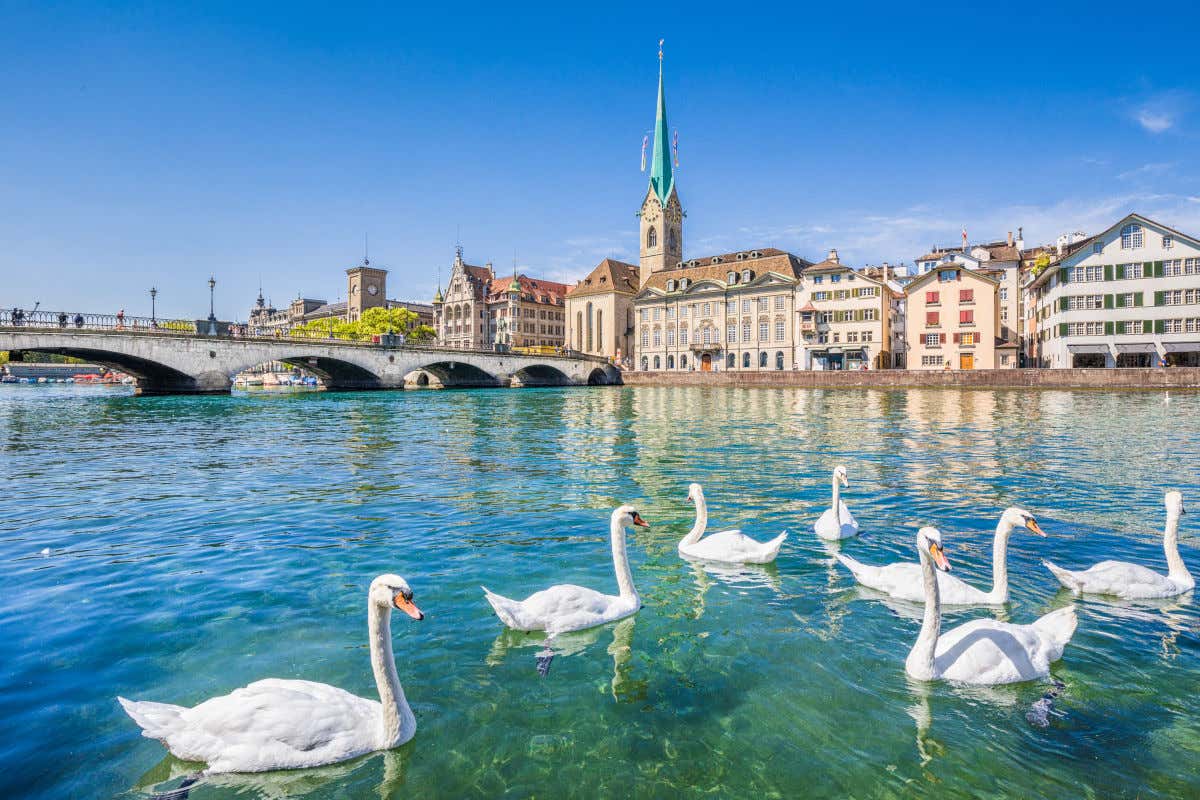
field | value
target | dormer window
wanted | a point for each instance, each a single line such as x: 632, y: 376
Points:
x: 1097, y: 248
x: 670, y: 286
x: 1167, y: 242
x: 731, y: 277
x: 1131, y: 236
x: 683, y: 283
x: 747, y: 275
x: 741, y: 256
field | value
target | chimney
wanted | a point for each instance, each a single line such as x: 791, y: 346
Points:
x: 1010, y: 239
x: 885, y: 272
x: 1020, y: 238
x: 833, y: 256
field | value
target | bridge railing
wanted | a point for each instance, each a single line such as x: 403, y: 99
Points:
x: 66, y: 320
x: 78, y: 321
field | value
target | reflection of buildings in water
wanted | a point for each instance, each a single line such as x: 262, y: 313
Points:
x: 951, y: 438
x: 281, y: 784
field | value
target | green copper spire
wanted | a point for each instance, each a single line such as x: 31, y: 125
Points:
x: 660, y: 167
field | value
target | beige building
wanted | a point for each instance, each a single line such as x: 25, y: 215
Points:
x: 845, y: 318
x: 599, y: 311
x: 480, y: 310
x: 953, y: 321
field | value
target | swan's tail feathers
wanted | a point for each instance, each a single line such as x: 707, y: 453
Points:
x: 857, y: 568
x: 771, y: 548
x: 1067, y: 578
x: 1058, y: 626
x: 507, y: 610
x: 157, y: 720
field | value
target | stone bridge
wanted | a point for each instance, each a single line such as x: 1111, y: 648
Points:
x: 185, y: 363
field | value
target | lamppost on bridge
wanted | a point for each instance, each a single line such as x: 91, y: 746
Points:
x: 153, y: 316
x: 212, y: 316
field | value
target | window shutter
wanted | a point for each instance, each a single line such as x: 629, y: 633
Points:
x: 1137, y: 299
x: 1120, y: 272
x: 1159, y: 326
x: 1062, y: 303
x: 1108, y: 272
x: 957, y: 338
x: 1158, y: 269
x: 1062, y: 329
x: 1147, y: 326
x: 1108, y: 301
x: 1108, y: 328
x: 1158, y: 298
x: 941, y: 338
x: 1063, y: 275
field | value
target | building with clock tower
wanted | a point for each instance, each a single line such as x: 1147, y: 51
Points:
x: 366, y: 288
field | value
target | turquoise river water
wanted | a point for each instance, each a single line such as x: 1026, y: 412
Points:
x: 177, y: 548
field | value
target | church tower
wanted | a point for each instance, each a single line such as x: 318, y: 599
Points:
x: 661, y: 215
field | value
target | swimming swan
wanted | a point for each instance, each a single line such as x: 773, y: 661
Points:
x: 983, y: 652
x: 837, y: 522
x: 905, y: 580
x: 732, y: 547
x: 566, y: 607
x: 288, y: 724
x: 1133, y: 581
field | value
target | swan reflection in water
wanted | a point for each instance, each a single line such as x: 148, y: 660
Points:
x: 277, y: 785
x: 735, y: 576
x: 569, y: 644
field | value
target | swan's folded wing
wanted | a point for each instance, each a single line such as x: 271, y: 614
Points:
x: 987, y: 652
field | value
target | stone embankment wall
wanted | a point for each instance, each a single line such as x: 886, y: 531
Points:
x: 1169, y: 378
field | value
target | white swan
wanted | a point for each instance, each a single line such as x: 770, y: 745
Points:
x: 1133, y: 581
x: 565, y: 607
x: 288, y: 724
x: 837, y: 522
x: 905, y: 581
x: 983, y: 652
x: 732, y: 547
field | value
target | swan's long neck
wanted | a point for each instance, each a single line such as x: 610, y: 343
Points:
x: 920, y: 658
x: 701, y: 521
x: 837, y: 500
x: 1176, y: 569
x: 621, y: 561
x: 999, y: 593
x: 397, y: 716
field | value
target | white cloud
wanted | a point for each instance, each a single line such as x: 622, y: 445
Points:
x: 1160, y: 112
x: 1152, y: 169
x: 1155, y: 121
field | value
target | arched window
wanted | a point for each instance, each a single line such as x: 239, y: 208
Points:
x: 683, y: 362
x: 645, y: 364
x: 657, y: 363
x: 745, y: 360
x: 579, y: 330
x: 672, y: 240
x: 652, y: 237
x: 600, y: 331
x: 731, y: 361
x: 670, y: 362
x: 779, y: 360
x: 762, y: 360
x: 589, y: 327
x: 1131, y: 236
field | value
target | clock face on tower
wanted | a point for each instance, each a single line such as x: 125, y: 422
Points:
x: 372, y: 289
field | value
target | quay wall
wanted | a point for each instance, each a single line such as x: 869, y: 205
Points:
x: 1133, y: 378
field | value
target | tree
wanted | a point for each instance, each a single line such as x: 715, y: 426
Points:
x: 373, y: 322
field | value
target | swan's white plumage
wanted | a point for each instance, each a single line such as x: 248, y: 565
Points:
x: 1133, y: 581
x: 733, y: 547
x: 567, y: 607
x: 983, y: 652
x: 291, y: 724
x: 905, y: 581
x: 837, y: 522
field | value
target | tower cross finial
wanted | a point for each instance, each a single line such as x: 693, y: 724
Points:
x: 660, y: 44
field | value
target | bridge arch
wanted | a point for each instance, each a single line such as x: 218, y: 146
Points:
x: 604, y: 375
x: 460, y: 375
x: 335, y: 373
x: 541, y: 375
x: 152, y: 377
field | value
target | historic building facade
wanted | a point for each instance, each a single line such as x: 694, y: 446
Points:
x: 1127, y: 297
x: 953, y: 321
x: 480, y: 310
x: 600, y: 311
x: 846, y: 318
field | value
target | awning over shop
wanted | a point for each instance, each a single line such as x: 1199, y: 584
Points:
x: 834, y: 351
x: 1137, y: 347
x: 1181, y: 347
x: 1085, y: 349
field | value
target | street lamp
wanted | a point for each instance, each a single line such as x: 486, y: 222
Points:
x: 212, y: 317
x: 153, y: 317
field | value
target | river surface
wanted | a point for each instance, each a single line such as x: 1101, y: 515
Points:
x: 176, y: 548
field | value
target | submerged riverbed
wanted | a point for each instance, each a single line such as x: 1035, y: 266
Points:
x: 177, y: 548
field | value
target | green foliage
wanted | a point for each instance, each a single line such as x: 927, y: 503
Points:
x: 373, y: 322
x: 1040, y: 263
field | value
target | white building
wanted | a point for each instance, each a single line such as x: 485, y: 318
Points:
x: 1127, y: 297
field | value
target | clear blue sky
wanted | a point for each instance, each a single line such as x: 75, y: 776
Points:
x: 154, y: 143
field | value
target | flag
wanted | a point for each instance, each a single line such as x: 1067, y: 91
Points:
x: 645, y: 141
x: 964, y: 238
x: 675, y: 147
